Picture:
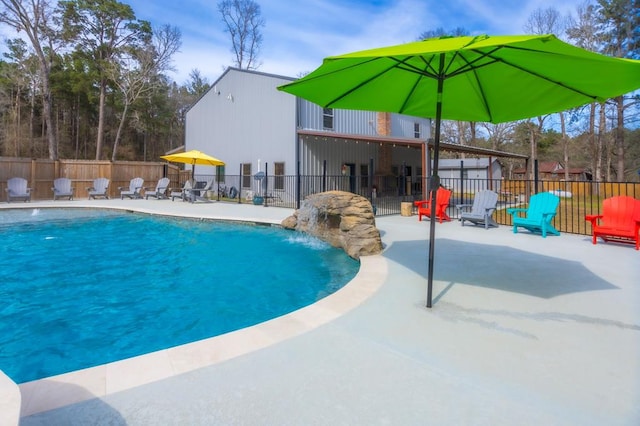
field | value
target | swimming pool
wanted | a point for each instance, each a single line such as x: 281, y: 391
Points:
x: 83, y: 287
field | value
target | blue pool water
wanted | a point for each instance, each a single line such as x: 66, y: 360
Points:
x: 79, y: 288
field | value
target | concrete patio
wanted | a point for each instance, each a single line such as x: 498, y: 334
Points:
x: 523, y: 330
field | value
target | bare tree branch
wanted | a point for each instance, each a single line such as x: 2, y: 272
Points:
x: 243, y: 23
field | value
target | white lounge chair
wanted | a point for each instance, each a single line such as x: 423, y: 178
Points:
x: 160, y: 192
x: 17, y: 189
x: 62, y: 189
x: 479, y: 213
x: 181, y: 193
x: 100, y: 188
x: 133, y: 190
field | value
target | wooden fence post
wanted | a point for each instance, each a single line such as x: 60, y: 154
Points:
x: 32, y: 177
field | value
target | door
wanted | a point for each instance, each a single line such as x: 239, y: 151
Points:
x: 352, y: 176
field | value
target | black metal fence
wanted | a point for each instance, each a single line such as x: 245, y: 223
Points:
x: 388, y: 193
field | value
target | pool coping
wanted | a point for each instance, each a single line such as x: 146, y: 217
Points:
x: 99, y: 381
x: 495, y: 348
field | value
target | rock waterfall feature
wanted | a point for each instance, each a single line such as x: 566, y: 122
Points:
x: 342, y: 219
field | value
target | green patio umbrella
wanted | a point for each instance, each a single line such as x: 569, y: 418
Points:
x: 484, y: 78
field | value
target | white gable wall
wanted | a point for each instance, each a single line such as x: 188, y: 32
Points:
x: 244, y: 119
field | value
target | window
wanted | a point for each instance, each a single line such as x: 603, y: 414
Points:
x: 327, y: 118
x: 364, y: 175
x: 246, y: 175
x: 416, y: 130
x: 220, y: 172
x: 278, y: 173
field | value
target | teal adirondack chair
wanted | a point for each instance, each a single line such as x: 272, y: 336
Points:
x: 538, y: 216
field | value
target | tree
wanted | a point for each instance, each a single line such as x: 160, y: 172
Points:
x: 136, y: 74
x: 583, y: 33
x: 633, y: 148
x: 546, y: 21
x: 19, y: 72
x: 103, y: 30
x: 74, y: 88
x: 34, y: 18
x: 499, y: 135
x: 440, y: 32
x: 619, y: 22
x: 197, y: 85
x: 243, y: 21
x: 152, y: 123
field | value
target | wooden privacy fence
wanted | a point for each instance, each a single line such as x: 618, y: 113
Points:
x: 40, y: 174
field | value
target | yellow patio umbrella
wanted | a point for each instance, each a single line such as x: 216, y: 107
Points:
x: 193, y: 157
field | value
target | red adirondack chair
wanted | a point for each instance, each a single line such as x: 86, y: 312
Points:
x: 619, y: 221
x: 442, y: 202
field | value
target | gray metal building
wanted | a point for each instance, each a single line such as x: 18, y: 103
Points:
x: 246, y: 122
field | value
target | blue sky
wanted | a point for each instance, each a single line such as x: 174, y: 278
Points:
x: 298, y: 35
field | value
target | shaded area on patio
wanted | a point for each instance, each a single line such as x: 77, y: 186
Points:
x: 502, y: 268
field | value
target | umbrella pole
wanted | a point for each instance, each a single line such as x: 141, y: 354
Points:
x: 192, y: 193
x: 434, y: 184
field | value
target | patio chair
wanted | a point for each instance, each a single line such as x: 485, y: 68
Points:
x: 100, y: 188
x: 133, y: 190
x: 180, y: 193
x: 199, y: 193
x: 17, y: 189
x: 538, y: 216
x: 479, y: 213
x: 62, y: 189
x: 619, y: 221
x: 442, y: 202
x: 160, y: 192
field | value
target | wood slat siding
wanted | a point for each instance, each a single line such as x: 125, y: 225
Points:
x: 402, y: 126
x: 344, y: 121
x: 40, y: 173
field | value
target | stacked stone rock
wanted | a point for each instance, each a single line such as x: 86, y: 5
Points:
x: 342, y: 219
